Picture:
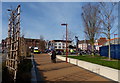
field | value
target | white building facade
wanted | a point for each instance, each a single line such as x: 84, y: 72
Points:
x: 60, y: 44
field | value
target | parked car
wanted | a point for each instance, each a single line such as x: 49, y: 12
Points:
x: 36, y: 50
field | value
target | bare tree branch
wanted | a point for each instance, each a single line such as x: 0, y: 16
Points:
x: 71, y: 36
x: 108, y: 19
x: 92, y: 22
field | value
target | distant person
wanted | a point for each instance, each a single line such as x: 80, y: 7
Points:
x: 53, y: 56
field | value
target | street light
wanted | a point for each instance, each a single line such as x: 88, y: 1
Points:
x: 66, y: 41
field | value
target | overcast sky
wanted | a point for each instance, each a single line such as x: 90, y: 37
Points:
x: 45, y: 18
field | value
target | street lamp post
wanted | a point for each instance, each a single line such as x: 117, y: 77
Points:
x: 66, y: 41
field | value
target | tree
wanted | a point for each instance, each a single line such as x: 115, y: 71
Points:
x: 42, y: 43
x: 92, y: 23
x: 71, y: 36
x: 108, y: 17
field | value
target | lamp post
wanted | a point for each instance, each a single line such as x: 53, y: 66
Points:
x: 66, y: 41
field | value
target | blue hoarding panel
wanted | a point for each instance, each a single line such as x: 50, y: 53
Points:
x: 115, y: 51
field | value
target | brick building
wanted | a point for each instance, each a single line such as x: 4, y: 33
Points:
x: 28, y: 43
x: 35, y: 43
x: 4, y: 45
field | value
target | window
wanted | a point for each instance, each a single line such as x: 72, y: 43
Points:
x: 59, y: 43
x: 55, y: 43
x: 59, y: 47
x: 55, y: 46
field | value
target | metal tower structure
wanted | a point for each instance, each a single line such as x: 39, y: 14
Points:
x: 12, y: 59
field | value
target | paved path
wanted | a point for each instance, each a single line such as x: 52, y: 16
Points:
x: 62, y: 71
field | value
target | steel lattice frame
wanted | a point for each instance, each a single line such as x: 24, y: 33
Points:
x: 13, y: 40
x: 22, y: 47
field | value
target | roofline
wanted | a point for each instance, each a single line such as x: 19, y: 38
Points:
x: 61, y: 40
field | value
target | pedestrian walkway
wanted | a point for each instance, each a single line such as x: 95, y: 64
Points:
x: 62, y: 71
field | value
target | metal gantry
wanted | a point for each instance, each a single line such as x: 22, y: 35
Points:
x: 12, y: 59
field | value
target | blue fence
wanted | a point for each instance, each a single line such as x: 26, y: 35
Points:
x: 115, y: 51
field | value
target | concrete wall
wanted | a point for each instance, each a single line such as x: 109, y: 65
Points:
x: 101, y: 70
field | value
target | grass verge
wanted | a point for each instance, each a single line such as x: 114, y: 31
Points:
x: 98, y: 60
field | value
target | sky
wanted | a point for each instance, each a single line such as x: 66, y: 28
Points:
x: 60, y: 0
x: 45, y: 18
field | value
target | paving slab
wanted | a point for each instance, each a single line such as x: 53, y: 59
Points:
x: 62, y: 71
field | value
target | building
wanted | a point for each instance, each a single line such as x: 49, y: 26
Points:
x: 35, y: 43
x: 28, y: 43
x: 32, y: 42
x: 84, y: 44
x: 4, y: 45
x: 0, y: 47
x: 59, y: 44
x: 113, y: 41
x: 99, y: 42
